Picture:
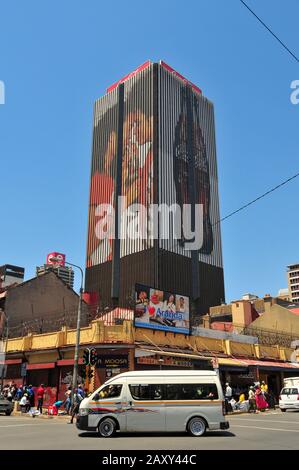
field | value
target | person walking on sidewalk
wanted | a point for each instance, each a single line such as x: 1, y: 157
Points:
x: 40, y: 398
x: 261, y: 403
x: 251, y: 399
x: 77, y: 398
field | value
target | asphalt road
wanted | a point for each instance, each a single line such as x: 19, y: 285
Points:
x: 269, y: 430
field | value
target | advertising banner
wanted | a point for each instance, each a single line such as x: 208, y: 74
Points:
x: 160, y: 310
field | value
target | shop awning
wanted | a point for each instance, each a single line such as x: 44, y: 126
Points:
x: 175, y: 354
x: 45, y: 365
x: 13, y: 361
x: 227, y: 361
x: 270, y: 365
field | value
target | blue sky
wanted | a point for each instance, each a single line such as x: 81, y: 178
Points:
x: 56, y: 58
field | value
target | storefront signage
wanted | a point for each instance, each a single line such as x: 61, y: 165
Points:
x: 167, y: 361
x: 109, y: 362
x: 250, y: 375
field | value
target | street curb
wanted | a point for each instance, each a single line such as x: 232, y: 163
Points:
x: 43, y: 416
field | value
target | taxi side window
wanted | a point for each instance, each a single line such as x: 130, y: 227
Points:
x: 110, y: 391
x: 146, y: 391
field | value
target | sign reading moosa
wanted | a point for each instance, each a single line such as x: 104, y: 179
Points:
x: 112, y: 361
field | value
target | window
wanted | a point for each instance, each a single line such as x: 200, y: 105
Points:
x: 146, y: 391
x: 294, y: 391
x: 110, y: 391
x: 191, y: 392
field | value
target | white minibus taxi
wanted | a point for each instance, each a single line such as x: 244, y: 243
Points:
x: 155, y: 401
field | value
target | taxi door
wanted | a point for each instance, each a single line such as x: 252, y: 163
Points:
x: 145, y: 409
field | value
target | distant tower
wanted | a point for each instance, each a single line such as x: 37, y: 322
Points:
x: 293, y: 282
x: 66, y: 273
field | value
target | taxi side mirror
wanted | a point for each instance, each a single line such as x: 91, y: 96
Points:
x: 96, y: 397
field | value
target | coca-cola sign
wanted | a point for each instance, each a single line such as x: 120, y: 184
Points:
x: 56, y: 258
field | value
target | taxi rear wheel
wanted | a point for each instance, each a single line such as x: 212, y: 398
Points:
x: 107, y: 427
x: 197, y: 427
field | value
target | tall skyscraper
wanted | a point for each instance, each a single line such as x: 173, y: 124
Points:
x: 153, y: 178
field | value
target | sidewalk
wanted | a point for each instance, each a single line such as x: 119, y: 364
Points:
x: 43, y: 416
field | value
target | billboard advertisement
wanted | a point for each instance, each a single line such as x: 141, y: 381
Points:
x: 59, y: 258
x: 136, y: 171
x: 187, y: 153
x: 161, y: 310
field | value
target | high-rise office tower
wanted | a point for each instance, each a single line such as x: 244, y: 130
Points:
x: 154, y: 204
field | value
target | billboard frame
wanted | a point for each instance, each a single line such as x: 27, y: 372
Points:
x: 166, y: 329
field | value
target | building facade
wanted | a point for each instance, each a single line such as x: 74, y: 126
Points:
x: 153, y: 166
x: 10, y: 274
x: 66, y: 273
x: 293, y: 282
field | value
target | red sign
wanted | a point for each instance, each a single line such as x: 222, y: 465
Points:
x: 60, y: 258
x: 129, y: 75
x: 177, y: 74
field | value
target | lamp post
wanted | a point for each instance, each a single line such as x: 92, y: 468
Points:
x: 77, y: 344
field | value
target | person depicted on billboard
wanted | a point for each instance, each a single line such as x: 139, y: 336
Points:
x: 181, y: 305
x: 137, y: 171
x: 170, y: 304
x: 182, y: 162
x: 142, y: 302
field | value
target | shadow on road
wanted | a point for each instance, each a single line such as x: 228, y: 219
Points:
x: 147, y: 434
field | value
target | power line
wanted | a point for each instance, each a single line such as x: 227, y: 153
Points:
x: 270, y: 31
x: 258, y: 198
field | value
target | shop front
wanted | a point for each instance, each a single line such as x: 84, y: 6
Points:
x: 242, y: 373
x: 147, y: 359
x: 110, y: 362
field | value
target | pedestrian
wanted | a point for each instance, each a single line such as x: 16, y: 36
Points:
x: 228, y: 397
x: 77, y: 398
x: 67, y: 403
x: 23, y: 403
x: 40, y: 398
x: 252, y: 402
x: 30, y: 393
x: 81, y: 391
x: 264, y: 387
x: 261, y: 403
x: 19, y: 392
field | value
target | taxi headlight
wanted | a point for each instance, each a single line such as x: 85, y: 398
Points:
x: 83, y: 411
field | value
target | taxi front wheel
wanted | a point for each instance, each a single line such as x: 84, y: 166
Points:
x: 107, y: 427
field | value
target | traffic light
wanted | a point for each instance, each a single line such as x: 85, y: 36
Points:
x: 86, y: 357
x: 93, y: 357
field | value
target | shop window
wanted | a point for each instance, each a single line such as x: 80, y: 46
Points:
x: 146, y: 392
x: 111, y: 391
x: 191, y: 392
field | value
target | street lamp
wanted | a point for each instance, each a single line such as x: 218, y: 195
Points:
x: 77, y: 345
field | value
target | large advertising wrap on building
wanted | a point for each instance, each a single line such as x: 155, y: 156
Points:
x: 136, y: 171
x: 187, y: 152
x: 160, y: 310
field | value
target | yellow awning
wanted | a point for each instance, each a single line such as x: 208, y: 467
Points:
x: 225, y: 361
x: 176, y: 354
